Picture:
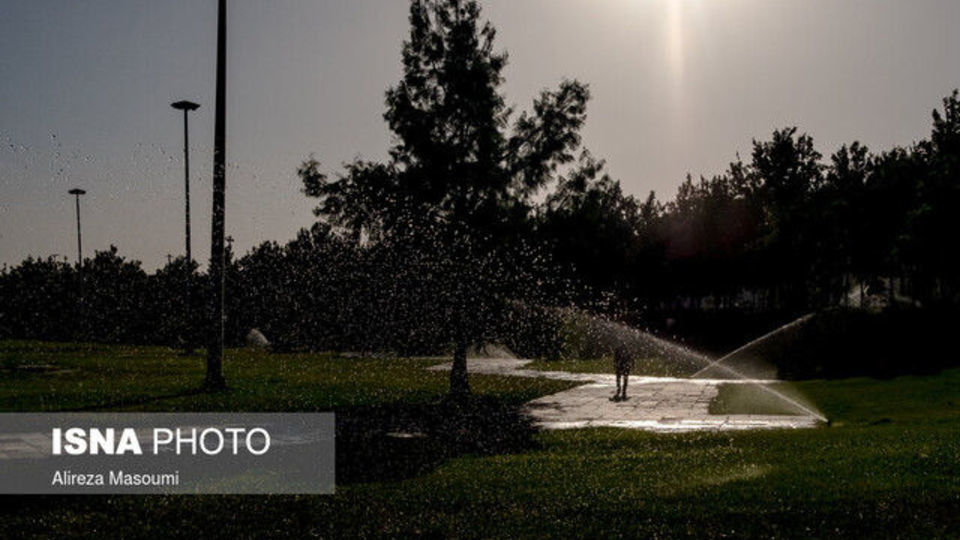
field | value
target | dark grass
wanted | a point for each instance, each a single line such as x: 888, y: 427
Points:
x: 159, y: 379
x: 888, y: 467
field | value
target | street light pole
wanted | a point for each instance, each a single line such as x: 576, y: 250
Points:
x: 77, y: 192
x: 187, y: 107
x: 214, y: 379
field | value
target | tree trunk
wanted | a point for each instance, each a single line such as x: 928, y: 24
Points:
x: 459, y: 384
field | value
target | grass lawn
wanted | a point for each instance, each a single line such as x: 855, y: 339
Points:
x: 888, y: 467
x: 133, y: 378
x: 760, y: 399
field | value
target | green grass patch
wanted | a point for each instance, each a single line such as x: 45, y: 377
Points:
x: 159, y: 379
x: 888, y: 467
x: 765, y: 399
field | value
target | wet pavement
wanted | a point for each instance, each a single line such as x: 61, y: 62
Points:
x: 655, y: 404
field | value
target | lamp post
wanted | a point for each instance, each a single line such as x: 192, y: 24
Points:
x: 214, y: 378
x: 187, y: 107
x: 77, y: 192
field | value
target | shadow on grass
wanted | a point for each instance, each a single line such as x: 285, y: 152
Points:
x: 388, y: 443
x: 134, y: 402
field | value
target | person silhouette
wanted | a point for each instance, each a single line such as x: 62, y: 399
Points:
x: 622, y: 364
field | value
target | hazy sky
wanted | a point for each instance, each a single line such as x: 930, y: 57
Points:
x: 678, y: 86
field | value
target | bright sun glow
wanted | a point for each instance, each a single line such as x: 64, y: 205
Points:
x: 675, y: 38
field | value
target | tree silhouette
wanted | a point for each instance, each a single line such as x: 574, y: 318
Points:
x: 593, y: 225
x: 456, y: 169
x: 933, y: 222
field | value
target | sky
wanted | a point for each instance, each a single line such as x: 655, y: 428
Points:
x: 678, y: 86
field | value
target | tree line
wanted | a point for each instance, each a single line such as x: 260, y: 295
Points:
x: 786, y: 230
x: 783, y: 231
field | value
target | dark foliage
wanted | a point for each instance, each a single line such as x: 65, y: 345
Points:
x: 783, y: 233
x: 843, y: 342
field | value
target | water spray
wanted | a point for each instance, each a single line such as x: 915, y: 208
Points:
x: 666, y: 345
x: 779, y: 395
x: 760, y: 339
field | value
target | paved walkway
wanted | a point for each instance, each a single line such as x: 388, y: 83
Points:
x: 655, y: 404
